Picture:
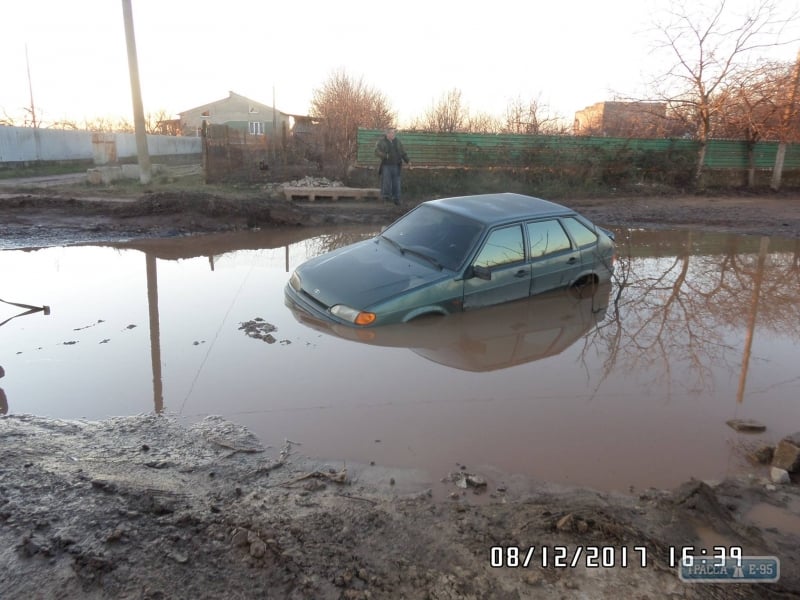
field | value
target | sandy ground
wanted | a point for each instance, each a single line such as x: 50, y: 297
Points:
x: 147, y: 507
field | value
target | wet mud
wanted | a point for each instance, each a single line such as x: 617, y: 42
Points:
x: 146, y: 507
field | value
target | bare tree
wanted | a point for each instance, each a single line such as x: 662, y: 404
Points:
x: 449, y: 114
x: 709, y: 44
x: 790, y: 111
x: 108, y: 125
x: 6, y: 119
x: 64, y: 124
x: 344, y: 104
x: 122, y: 125
x: 754, y: 106
x: 483, y: 123
x: 32, y: 117
x: 155, y: 123
x: 532, y: 117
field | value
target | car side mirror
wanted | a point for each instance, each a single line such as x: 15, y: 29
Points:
x: 481, y: 272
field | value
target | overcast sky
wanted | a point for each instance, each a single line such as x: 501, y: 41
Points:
x: 568, y: 54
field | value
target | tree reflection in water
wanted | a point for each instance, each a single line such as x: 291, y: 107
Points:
x: 679, y: 297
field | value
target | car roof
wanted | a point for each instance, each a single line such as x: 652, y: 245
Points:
x: 492, y: 209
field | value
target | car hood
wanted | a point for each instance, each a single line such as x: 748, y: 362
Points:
x: 365, y: 273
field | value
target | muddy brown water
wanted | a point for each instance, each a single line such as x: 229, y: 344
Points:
x: 629, y: 388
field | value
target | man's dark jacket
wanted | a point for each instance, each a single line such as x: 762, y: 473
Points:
x: 391, y: 152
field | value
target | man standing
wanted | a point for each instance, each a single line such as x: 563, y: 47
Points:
x: 392, y: 154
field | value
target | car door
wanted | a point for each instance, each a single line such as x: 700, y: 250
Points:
x: 502, y: 257
x: 555, y: 262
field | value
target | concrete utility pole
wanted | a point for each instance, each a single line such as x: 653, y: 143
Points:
x: 136, y: 93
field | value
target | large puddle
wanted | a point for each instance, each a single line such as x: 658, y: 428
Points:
x: 630, y: 387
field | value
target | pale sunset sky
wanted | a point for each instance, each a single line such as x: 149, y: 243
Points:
x: 568, y: 54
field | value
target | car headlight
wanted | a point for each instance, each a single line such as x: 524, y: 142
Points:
x: 295, y: 282
x: 359, y: 317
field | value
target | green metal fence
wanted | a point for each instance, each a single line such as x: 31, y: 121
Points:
x: 486, y: 150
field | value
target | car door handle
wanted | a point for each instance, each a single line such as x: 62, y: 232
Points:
x: 572, y: 260
x: 521, y: 273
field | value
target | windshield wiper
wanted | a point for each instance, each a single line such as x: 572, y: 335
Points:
x: 394, y: 243
x: 430, y: 259
x: 403, y: 250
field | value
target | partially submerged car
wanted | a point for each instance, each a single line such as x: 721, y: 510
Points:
x: 451, y: 255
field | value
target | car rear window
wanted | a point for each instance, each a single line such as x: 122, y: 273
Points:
x: 579, y: 232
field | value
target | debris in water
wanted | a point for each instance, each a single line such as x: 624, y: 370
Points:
x: 746, y: 425
x: 259, y: 329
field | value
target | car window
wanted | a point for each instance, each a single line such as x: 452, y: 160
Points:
x: 444, y: 236
x: 579, y: 232
x: 547, y: 237
x: 502, y: 247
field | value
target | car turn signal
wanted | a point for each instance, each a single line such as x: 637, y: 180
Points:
x: 365, y: 318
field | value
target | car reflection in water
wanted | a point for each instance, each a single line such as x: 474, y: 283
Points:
x: 491, y: 338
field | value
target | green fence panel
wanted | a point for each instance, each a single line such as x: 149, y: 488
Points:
x: 792, y: 159
x: 510, y: 150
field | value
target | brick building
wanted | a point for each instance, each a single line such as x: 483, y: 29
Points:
x: 622, y: 119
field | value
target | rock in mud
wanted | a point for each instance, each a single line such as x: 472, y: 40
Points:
x: 780, y: 476
x: 787, y: 454
x: 228, y: 435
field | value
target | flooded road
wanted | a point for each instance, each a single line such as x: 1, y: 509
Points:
x: 632, y: 386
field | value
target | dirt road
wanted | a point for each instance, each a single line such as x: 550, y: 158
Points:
x: 42, y: 218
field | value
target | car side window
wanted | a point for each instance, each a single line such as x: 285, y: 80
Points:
x: 503, y: 246
x: 582, y: 235
x: 547, y: 237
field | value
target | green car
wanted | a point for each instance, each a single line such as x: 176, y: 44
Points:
x: 454, y: 254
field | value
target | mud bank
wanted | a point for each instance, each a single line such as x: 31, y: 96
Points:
x: 46, y: 218
x: 148, y: 507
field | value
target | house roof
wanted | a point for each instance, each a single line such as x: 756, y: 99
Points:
x: 233, y: 96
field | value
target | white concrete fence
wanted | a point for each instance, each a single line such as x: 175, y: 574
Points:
x: 28, y: 145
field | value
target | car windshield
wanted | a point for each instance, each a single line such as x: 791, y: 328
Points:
x: 440, y: 235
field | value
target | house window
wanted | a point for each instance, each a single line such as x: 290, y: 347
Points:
x: 256, y: 128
